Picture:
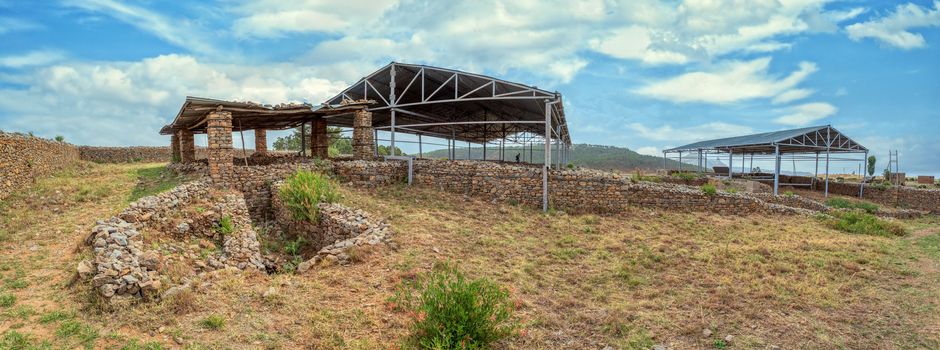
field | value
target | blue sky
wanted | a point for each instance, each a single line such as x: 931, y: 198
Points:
x: 640, y: 74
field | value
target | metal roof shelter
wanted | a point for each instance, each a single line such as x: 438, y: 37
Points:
x: 419, y: 100
x: 797, y: 142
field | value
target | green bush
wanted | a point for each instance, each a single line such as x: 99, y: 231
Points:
x: 843, y: 203
x: 303, y: 190
x: 450, y: 311
x: 863, y: 223
x: 709, y: 189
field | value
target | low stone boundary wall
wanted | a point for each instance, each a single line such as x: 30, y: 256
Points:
x: 24, y: 158
x: 126, y: 154
x: 576, y: 190
x: 904, y: 197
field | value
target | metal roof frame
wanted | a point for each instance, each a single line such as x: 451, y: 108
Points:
x: 420, y: 99
x: 802, y: 140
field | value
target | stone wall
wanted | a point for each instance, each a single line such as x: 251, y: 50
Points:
x: 571, y: 190
x: 24, y: 158
x: 904, y: 197
x: 126, y: 154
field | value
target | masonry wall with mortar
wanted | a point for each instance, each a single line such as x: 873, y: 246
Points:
x: 24, y: 158
x: 219, y: 135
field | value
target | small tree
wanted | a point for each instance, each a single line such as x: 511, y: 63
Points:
x: 60, y: 138
x: 871, y: 165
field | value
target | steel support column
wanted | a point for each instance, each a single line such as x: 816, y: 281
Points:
x: 730, y: 165
x: 548, y: 154
x: 861, y: 184
x: 392, y: 151
x: 776, y: 170
x: 828, y: 146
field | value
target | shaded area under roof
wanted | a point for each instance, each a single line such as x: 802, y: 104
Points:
x: 809, y: 139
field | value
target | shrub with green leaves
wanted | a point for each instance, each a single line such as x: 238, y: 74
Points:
x: 450, y: 311
x: 709, y: 189
x: 863, y: 223
x: 303, y: 191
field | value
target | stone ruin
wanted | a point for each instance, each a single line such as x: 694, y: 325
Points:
x: 338, y: 230
x: 160, y: 244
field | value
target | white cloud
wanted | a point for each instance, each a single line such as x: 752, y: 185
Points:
x: 10, y: 24
x: 32, y: 58
x: 807, y: 113
x: 634, y: 42
x: 792, y: 95
x: 893, y: 29
x: 692, y: 133
x: 126, y: 103
x: 179, y: 32
x: 650, y: 151
x: 731, y: 82
x: 271, y: 18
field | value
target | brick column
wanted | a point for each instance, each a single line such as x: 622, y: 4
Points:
x: 219, y: 132
x: 363, y: 141
x: 261, y: 141
x: 187, y: 146
x: 175, y: 148
x: 319, y: 140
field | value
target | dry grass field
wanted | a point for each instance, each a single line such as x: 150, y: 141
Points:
x: 581, y: 281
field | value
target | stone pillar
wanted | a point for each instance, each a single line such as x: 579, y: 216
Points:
x: 187, y: 146
x: 319, y: 140
x: 219, y: 132
x: 261, y: 141
x: 363, y: 141
x: 175, y: 148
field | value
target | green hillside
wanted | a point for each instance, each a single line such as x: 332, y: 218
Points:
x: 582, y: 155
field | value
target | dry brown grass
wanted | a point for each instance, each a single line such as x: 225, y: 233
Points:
x: 584, y: 281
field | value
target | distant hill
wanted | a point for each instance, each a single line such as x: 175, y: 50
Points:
x: 582, y: 155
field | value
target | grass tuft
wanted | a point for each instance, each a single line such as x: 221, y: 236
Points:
x: 709, y: 189
x: 213, y: 322
x: 843, y: 203
x: 304, y: 190
x: 225, y: 226
x: 7, y: 300
x: 859, y: 222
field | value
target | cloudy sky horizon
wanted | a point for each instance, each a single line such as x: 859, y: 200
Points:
x: 645, y: 75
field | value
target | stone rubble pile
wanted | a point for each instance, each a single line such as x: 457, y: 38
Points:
x: 121, y: 268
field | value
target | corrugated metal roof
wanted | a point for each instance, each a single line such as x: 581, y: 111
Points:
x: 790, y: 140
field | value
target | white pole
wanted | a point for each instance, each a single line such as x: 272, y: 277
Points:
x: 827, y: 163
x: 776, y: 170
x: 548, y: 154
x: 392, y: 151
x: 730, y: 164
